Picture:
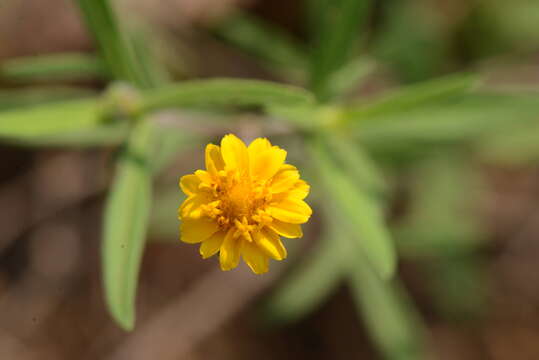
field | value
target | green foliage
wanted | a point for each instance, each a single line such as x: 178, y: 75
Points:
x: 224, y: 92
x: 308, y: 285
x: 335, y: 39
x: 269, y: 43
x: 51, y: 119
x: 363, y: 215
x: 52, y: 67
x: 126, y: 219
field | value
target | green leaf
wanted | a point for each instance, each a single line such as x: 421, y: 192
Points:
x: 115, y: 46
x: 390, y: 317
x: 14, y: 98
x: 335, y: 39
x: 411, y: 97
x: 307, y: 286
x: 50, y: 119
x: 357, y: 163
x: 464, y: 119
x: 66, y: 66
x: 104, y: 135
x: 126, y: 219
x: 444, y: 194
x: 223, y: 92
x: 262, y: 39
x: 517, y: 145
x: 363, y: 215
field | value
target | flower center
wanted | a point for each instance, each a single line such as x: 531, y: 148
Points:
x: 238, y: 200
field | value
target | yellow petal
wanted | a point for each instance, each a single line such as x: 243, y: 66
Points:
x: 268, y: 241
x: 300, y: 190
x: 195, y: 231
x: 211, y: 245
x: 286, y: 229
x: 192, y: 206
x: 214, y: 160
x: 266, y: 163
x: 258, y: 145
x: 285, y: 179
x: 291, y: 210
x: 204, y: 176
x: 189, y: 184
x: 229, y: 255
x: 234, y: 153
x: 255, y: 258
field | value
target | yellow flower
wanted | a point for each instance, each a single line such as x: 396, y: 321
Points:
x: 242, y: 203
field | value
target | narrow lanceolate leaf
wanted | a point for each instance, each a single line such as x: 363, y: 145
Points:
x: 357, y: 163
x: 335, y: 39
x: 50, y: 119
x: 465, y: 119
x: 308, y: 285
x: 224, y: 92
x: 114, y: 45
x: 411, y: 97
x: 261, y: 39
x: 126, y: 220
x: 359, y: 210
x: 391, y: 319
x: 14, y: 98
x: 63, y: 66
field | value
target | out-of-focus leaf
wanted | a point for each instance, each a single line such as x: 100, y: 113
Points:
x: 335, y: 39
x: 308, y: 284
x: 517, y: 145
x: 14, y: 98
x: 224, y: 92
x: 362, y: 216
x: 115, y: 46
x: 391, y: 319
x: 411, y: 97
x: 465, y: 119
x: 52, y: 67
x: 442, y: 218
x: 145, y: 52
x: 102, y: 135
x: 411, y: 40
x: 263, y: 40
x: 126, y: 219
x: 357, y: 163
x: 50, y: 119
x: 350, y: 75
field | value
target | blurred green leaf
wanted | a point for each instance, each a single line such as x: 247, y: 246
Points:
x: 64, y: 66
x: 412, y: 39
x: 308, y: 284
x: 126, y: 219
x: 350, y: 75
x: 442, y: 218
x: 171, y: 143
x: 102, y: 135
x: 14, y: 98
x: 115, y: 46
x: 357, y: 163
x: 517, y: 145
x: 335, y: 38
x: 223, y: 92
x: 465, y: 119
x: 389, y: 315
x: 50, y: 119
x: 164, y: 223
x: 411, y: 97
x: 270, y: 43
x: 363, y: 216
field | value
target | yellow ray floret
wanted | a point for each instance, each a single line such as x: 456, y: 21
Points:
x: 245, y: 200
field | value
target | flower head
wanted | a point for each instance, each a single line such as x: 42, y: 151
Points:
x: 245, y: 200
